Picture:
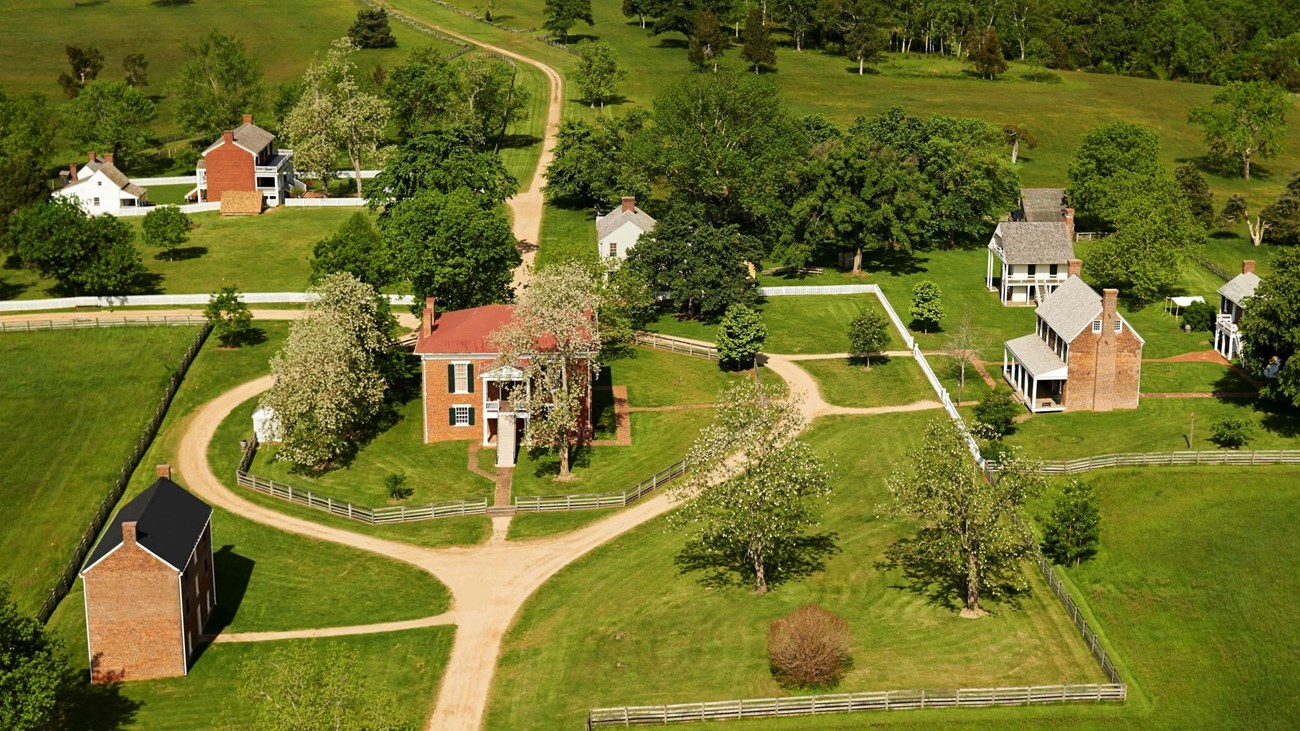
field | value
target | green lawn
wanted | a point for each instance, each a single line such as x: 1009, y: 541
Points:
x: 662, y: 378
x: 404, y: 667
x: 663, y: 637
x: 267, y: 253
x: 658, y: 440
x: 889, y: 381
x: 1191, y: 378
x: 73, y: 405
x: 946, y: 368
x: 435, y: 471
x: 1158, y: 425
x: 795, y: 324
x: 169, y: 195
x: 568, y: 234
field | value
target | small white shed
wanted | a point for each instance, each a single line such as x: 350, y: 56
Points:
x: 266, y: 426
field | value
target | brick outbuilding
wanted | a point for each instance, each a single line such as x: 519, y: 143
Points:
x: 150, y: 586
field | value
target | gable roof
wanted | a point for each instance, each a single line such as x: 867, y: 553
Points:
x: 1042, y: 204
x: 1240, y: 287
x: 169, y: 521
x: 1035, y: 356
x: 1071, y: 308
x: 248, y: 136
x: 1030, y: 242
x: 611, y: 222
x: 464, y: 331
x: 110, y: 171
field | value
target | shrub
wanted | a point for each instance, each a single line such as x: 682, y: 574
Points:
x: 1074, y: 528
x: 868, y: 333
x: 1200, y: 315
x: 395, y: 482
x: 371, y: 29
x: 1231, y: 432
x: 998, y: 412
x: 232, y: 322
x: 741, y: 335
x: 809, y: 648
x: 927, y: 307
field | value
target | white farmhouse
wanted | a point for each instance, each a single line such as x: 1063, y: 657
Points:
x: 617, y: 232
x: 1232, y: 305
x: 1034, y: 259
x: 101, y: 188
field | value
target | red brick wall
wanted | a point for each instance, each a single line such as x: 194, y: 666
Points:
x: 198, y: 587
x: 438, y: 401
x: 1105, y: 370
x: 230, y: 167
x: 132, y: 617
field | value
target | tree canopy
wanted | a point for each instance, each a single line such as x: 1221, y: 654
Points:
x: 597, y: 163
x: 111, y: 116
x: 356, y: 248
x: 741, y: 334
x: 598, y: 72
x: 443, y: 161
x: 1108, y: 152
x: 84, y: 254
x: 371, y: 29
x: 215, y: 85
x: 1270, y: 329
x: 1244, y: 122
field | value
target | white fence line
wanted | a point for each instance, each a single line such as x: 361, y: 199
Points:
x: 156, y: 300
x: 801, y: 291
x: 187, y: 208
x: 325, y: 202
x: 1239, y: 458
x: 167, y: 180
x: 347, y: 174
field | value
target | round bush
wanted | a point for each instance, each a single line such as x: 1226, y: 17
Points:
x: 1200, y: 315
x: 809, y: 648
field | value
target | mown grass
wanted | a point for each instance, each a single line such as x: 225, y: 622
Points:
x: 1158, y: 425
x: 889, y: 381
x: 1192, y: 378
x: 663, y: 637
x: 568, y: 234
x: 73, y: 405
x: 799, y: 324
x: 662, y: 378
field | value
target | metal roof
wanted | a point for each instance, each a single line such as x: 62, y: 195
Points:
x: 1036, y: 357
x: 169, y: 521
x: 1240, y: 287
x: 1034, y: 242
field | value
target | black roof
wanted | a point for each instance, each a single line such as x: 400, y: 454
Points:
x: 169, y: 521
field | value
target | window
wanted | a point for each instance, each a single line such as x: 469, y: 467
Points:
x: 1119, y: 325
x: 1033, y: 268
x: 1053, y: 269
x: 94, y: 201
x: 613, y: 248
x: 462, y: 416
x: 459, y: 376
x: 1096, y: 326
x: 263, y: 182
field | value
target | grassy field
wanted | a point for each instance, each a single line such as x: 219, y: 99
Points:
x: 811, y: 324
x: 1191, y: 378
x: 889, y: 381
x: 664, y: 637
x: 435, y: 471
x: 568, y: 234
x: 73, y: 406
x: 1158, y: 425
x: 267, y: 253
x: 660, y: 378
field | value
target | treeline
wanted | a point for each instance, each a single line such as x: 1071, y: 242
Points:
x: 1211, y: 41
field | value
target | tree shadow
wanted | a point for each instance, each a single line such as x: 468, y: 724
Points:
x: 866, y: 71
x: 254, y: 336
x: 233, y: 572
x: 183, y: 253
x: 94, y: 707
x: 170, y: 3
x: 896, y: 262
x: 872, y: 361
x: 727, y: 565
x: 147, y: 283
x: 678, y: 43
x: 548, y: 462
x: 11, y: 291
x: 613, y: 101
x: 604, y: 424
x: 517, y: 141
x: 936, y: 580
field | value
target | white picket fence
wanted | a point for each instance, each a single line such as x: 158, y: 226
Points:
x: 325, y: 202
x: 187, y: 208
x: 166, y: 180
x: 162, y: 300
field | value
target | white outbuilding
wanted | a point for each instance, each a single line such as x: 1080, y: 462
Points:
x: 266, y: 426
x: 617, y: 231
x: 101, y: 188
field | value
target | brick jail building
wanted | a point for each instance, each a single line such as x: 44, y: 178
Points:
x: 1082, y: 356
x: 468, y: 394
x: 150, y: 585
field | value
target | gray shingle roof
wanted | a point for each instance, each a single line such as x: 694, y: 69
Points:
x: 248, y: 136
x: 117, y: 177
x: 1071, y: 308
x: 1042, y: 204
x: 1026, y: 242
x: 1240, y: 287
x: 1034, y: 354
x: 607, y: 224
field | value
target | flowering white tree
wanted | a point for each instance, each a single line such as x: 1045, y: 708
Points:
x: 554, y: 338
x: 328, y: 385
x: 752, y: 489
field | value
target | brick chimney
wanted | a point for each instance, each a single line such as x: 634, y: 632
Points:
x: 108, y: 158
x: 128, y: 533
x: 248, y: 119
x: 1073, y: 267
x: 427, y: 320
x: 629, y: 203
x: 1248, y: 266
x: 72, y: 173
x: 163, y: 471
x: 228, y: 136
x: 1069, y: 221
x: 1109, y: 301
x: 90, y: 156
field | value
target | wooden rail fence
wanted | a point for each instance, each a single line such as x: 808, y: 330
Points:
x: 1238, y: 458
x: 887, y: 700
x: 82, y: 323
x: 557, y: 503
x: 1212, y: 268
x: 676, y: 345
x: 69, y: 576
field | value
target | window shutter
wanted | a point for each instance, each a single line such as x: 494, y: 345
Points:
x: 471, y: 416
x: 469, y: 379
x: 451, y: 416
x: 451, y: 378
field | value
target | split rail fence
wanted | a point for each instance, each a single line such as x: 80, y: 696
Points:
x: 559, y: 503
x: 142, y: 445
x: 676, y: 345
x: 1232, y: 457
x: 83, y: 323
x: 887, y: 700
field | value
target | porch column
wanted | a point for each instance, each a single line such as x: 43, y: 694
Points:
x: 1004, y: 361
x: 988, y: 276
x: 1033, y: 399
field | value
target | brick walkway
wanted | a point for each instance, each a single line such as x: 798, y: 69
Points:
x: 474, y: 448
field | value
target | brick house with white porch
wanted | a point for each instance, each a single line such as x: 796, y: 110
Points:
x: 245, y: 159
x: 468, y: 394
x: 1232, y: 305
x: 1082, y: 356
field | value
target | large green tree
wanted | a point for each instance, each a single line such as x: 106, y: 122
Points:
x: 443, y: 160
x: 598, y: 72
x: 707, y: 42
x: 86, y: 64
x: 215, y: 85
x: 1270, y: 329
x: 702, y: 268
x: 84, y: 254
x: 371, y: 29
x: 758, y: 48
x: 111, y: 116
x: 986, y: 53
x: 421, y: 91
x: 166, y: 227
x: 562, y: 15
x: 1244, y: 121
x: 453, y: 247
x: 488, y: 97
x: 1073, y: 529
x: 597, y: 163
x: 741, y: 334
x: 33, y: 670
x: 966, y: 546
x: 1110, y: 151
x: 26, y: 138
x: 1280, y: 220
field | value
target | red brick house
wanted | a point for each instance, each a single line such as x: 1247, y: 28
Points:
x: 1083, y: 355
x: 467, y: 393
x: 245, y: 159
x: 150, y: 585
